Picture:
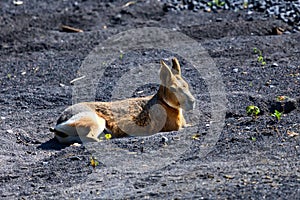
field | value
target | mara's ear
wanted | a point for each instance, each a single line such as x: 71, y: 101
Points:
x: 165, y: 73
x: 176, y: 66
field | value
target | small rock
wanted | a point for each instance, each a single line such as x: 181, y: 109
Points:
x: 75, y: 158
x: 76, y: 144
x: 228, y: 176
x: 45, y: 163
x: 17, y: 3
x: 118, y: 16
x: 275, y: 64
x: 207, y: 9
x: 10, y: 131
x: 164, y: 139
x: 249, y: 18
x: 235, y: 70
x: 176, y: 138
x: 292, y: 66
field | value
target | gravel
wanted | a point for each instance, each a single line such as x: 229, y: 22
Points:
x: 288, y: 11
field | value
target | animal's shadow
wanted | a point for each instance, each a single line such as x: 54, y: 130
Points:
x: 52, y: 144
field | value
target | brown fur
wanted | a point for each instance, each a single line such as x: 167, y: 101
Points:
x: 133, y: 116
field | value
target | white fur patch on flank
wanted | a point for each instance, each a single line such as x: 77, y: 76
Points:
x: 85, y: 126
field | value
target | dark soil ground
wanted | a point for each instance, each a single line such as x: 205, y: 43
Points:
x: 250, y: 158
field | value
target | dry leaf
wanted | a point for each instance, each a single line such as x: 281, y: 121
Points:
x: 76, y: 79
x: 70, y: 29
x: 292, y: 133
x: 128, y: 4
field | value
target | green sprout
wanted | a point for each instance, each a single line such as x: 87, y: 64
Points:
x: 277, y: 114
x: 107, y: 136
x: 121, y: 56
x: 260, y: 57
x: 196, y: 137
x: 253, y: 110
x: 253, y: 139
x: 94, y: 162
x: 245, y: 4
x: 219, y: 3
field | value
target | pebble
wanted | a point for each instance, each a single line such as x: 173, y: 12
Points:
x: 17, y: 3
x: 164, y: 139
x: 76, y: 145
x: 271, y: 86
x: 235, y: 70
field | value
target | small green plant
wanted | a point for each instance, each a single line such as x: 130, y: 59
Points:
x: 94, y: 162
x: 107, y: 136
x: 253, y: 139
x: 218, y: 3
x: 245, y: 4
x: 260, y: 57
x: 253, y: 111
x: 196, y: 137
x: 277, y: 114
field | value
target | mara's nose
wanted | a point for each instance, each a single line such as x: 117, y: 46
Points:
x: 191, y: 103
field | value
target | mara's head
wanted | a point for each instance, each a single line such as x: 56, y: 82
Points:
x: 175, y: 90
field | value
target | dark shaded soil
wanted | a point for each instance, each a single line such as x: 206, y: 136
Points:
x: 251, y: 158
